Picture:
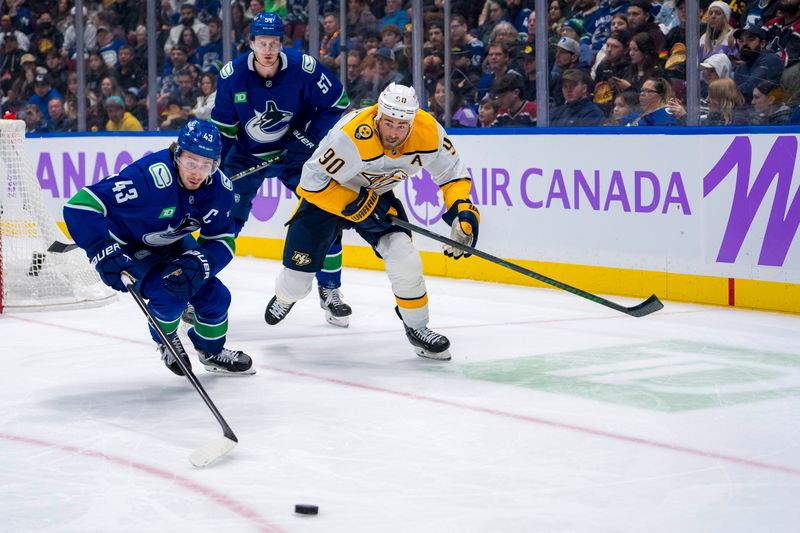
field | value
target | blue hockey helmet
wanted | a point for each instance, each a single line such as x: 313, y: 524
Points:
x: 201, y: 138
x: 266, y: 23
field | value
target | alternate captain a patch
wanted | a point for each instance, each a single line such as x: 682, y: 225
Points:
x: 301, y: 259
x: 363, y: 132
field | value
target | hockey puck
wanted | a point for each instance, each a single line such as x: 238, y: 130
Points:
x: 302, y: 508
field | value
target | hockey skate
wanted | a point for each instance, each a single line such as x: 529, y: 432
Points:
x: 234, y: 362
x: 169, y: 359
x: 427, y: 343
x: 337, y: 313
x: 276, y: 311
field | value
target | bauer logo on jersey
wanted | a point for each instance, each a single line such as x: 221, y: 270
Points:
x: 301, y: 259
x: 170, y: 235
x: 363, y: 132
x: 270, y: 125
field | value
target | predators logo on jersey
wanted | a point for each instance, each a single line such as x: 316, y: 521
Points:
x: 363, y: 132
x: 301, y: 259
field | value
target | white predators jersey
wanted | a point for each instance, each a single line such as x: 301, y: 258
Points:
x: 352, y: 155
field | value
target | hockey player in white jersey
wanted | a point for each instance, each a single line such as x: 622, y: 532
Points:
x: 348, y: 183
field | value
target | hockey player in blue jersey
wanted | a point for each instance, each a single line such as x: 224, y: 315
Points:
x: 272, y: 106
x: 141, y: 221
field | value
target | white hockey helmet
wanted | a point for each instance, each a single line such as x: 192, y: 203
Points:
x: 398, y: 101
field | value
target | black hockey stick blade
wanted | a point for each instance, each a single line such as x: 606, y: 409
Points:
x: 61, y: 247
x: 214, y: 450
x: 651, y: 305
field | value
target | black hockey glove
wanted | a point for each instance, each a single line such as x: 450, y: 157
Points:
x: 299, y: 148
x: 370, y: 211
x: 109, y: 260
x: 184, y: 275
x: 464, y: 220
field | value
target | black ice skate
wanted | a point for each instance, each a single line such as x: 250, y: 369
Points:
x: 427, y: 343
x: 169, y: 359
x: 227, y: 362
x: 276, y: 311
x: 337, y: 312
x: 188, y: 315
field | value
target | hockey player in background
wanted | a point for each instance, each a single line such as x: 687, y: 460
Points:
x: 348, y: 182
x: 141, y: 221
x: 274, y: 105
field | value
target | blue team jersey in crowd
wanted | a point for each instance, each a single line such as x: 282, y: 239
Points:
x: 260, y: 112
x: 145, y: 206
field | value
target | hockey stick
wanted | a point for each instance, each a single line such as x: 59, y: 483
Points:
x: 651, y: 305
x: 213, y: 450
x: 61, y: 247
x: 251, y: 170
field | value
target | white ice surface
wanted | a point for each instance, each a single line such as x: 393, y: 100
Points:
x: 95, y: 433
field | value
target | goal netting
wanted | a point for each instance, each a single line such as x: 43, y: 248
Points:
x: 31, y: 278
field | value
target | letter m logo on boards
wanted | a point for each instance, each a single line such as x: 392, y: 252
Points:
x: 781, y: 226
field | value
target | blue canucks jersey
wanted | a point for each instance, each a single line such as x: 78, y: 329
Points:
x: 259, y: 112
x: 146, y: 207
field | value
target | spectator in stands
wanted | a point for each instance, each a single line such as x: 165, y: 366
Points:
x: 494, y: 12
x: 189, y: 20
x: 58, y: 73
x: 568, y: 53
x: 758, y: 12
x: 578, y: 109
x: 594, y: 24
x: 46, y: 37
x: 209, y: 56
x: 180, y: 103
x: 238, y: 24
x: 644, y: 63
x: 118, y: 118
x: 640, y: 19
x: 757, y: 64
x: 615, y: 64
x: 653, y: 97
x: 329, y: 45
x: 109, y: 87
x: 96, y: 71
x: 515, y: 110
x: 573, y: 28
x: 394, y: 14
x: 190, y: 42
x: 386, y: 72
x: 487, y: 112
x: 725, y: 104
x: 769, y: 104
x: 555, y: 15
x: 178, y: 60
x: 496, y: 66
x: 626, y: 108
x: 140, y: 49
x: 11, y: 103
x: 129, y: 74
x: 23, y: 83
x: 208, y: 94
x: 678, y: 33
x: 392, y: 38
x: 34, y: 119
x: 59, y: 121
x: 713, y: 68
x: 718, y: 37
x: 357, y: 86
x: 360, y: 19
x: 10, y: 62
x: 70, y: 36
x: 108, y: 46
x: 461, y: 38
x: 7, y: 29
x: 783, y: 36
x: 461, y: 113
x: 43, y: 92
x: 529, y: 73
x: 20, y: 15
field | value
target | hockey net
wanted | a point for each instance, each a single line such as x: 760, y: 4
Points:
x: 31, y: 278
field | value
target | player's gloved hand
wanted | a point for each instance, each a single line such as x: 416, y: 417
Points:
x: 184, y: 275
x: 464, y: 220
x: 109, y: 260
x: 370, y: 211
x: 299, y: 148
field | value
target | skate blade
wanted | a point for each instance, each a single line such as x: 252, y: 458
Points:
x: 219, y: 370
x: 338, y: 321
x: 436, y: 356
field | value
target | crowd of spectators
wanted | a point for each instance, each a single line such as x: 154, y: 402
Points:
x: 612, y: 62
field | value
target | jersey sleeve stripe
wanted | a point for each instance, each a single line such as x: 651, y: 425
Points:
x: 87, y: 200
x: 343, y: 102
x: 226, y: 240
x: 228, y: 130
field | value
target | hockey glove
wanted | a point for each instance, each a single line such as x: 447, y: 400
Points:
x: 184, y: 275
x: 299, y: 148
x: 109, y: 260
x: 370, y: 211
x: 464, y: 220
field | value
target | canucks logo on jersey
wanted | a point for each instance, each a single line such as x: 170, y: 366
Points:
x: 170, y: 235
x: 269, y: 126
